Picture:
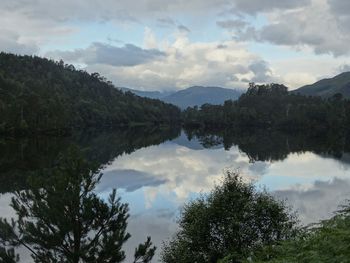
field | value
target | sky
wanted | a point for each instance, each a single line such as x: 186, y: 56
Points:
x: 170, y: 45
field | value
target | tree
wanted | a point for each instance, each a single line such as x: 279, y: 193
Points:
x: 61, y: 218
x: 234, y: 219
x: 326, y: 241
x: 41, y: 96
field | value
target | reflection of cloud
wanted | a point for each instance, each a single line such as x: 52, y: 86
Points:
x: 183, y: 171
x: 175, y: 172
x: 259, y: 168
x: 309, y: 165
x: 194, y: 143
x: 318, y: 201
x: 128, y: 179
x: 5, y: 210
x: 153, y: 224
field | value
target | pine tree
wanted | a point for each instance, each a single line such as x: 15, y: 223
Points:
x: 61, y: 219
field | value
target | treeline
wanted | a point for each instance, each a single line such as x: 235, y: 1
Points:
x: 272, y: 145
x: 41, y: 95
x: 272, y: 106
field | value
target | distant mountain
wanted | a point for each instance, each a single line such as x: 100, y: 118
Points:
x: 328, y: 87
x: 149, y: 94
x: 200, y: 95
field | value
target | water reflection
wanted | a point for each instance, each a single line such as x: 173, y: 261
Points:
x: 21, y: 157
x: 157, y: 170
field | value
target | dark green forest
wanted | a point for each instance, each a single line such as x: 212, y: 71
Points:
x: 38, y: 95
x: 272, y: 106
x: 41, y: 95
x: 271, y: 145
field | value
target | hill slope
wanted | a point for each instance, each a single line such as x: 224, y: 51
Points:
x: 38, y: 95
x: 328, y: 87
x: 148, y: 94
x: 201, y: 95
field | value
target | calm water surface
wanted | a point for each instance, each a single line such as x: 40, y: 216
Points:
x: 157, y: 171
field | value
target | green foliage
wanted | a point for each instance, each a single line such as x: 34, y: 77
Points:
x: 328, y: 87
x: 61, y: 219
x: 234, y: 219
x: 40, y: 95
x: 271, y: 106
x: 328, y: 241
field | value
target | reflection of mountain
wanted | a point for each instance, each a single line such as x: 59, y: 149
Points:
x: 21, y: 157
x: 273, y: 146
x: 196, y: 143
x: 200, y: 95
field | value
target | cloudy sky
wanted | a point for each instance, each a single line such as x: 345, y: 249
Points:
x: 167, y: 45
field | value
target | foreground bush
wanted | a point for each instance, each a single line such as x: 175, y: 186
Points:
x: 235, y: 219
x: 328, y: 241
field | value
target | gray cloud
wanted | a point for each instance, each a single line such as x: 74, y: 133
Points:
x: 279, y: 33
x: 183, y: 28
x: 171, y: 23
x: 322, y: 27
x: 340, y: 7
x: 101, y: 53
x: 166, y: 22
x: 232, y: 24
x: 132, y: 10
x: 10, y: 42
x: 253, y: 6
x: 261, y: 70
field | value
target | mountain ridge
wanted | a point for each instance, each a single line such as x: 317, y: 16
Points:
x: 192, y: 96
x: 327, y: 87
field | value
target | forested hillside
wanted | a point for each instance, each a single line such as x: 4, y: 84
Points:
x: 40, y: 95
x: 328, y: 87
x: 271, y: 106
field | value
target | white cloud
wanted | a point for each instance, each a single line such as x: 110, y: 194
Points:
x: 185, y: 64
x: 302, y: 70
x: 320, y: 26
x: 134, y: 9
x: 34, y: 26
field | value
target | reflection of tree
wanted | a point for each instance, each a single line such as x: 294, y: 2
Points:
x: 270, y: 145
x: 61, y: 219
x: 20, y: 157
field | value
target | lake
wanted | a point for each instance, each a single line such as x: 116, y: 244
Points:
x: 157, y: 170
